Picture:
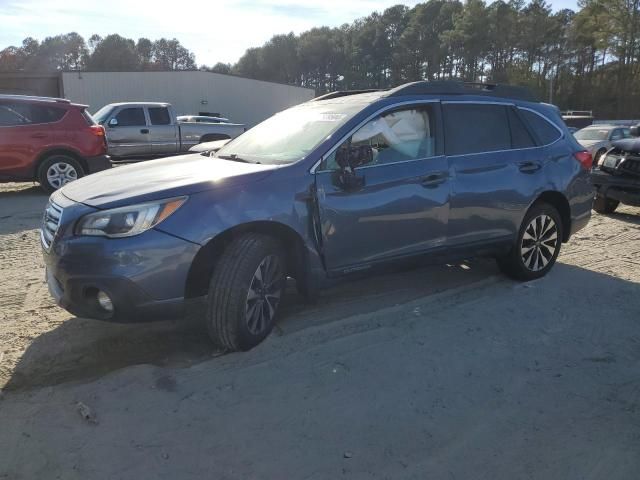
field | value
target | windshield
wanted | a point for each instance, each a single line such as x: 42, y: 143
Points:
x: 291, y: 135
x: 101, y: 115
x: 592, y: 134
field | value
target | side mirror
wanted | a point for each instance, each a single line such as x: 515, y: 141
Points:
x: 350, y: 157
x: 635, y: 131
x: 113, y: 122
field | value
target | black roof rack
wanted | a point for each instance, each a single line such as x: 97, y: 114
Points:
x: 452, y: 87
x: 344, y: 93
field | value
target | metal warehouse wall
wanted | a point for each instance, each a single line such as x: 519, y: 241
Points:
x: 241, y: 100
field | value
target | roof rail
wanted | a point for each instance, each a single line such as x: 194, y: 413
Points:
x: 344, y: 93
x: 452, y: 87
x: 34, y: 97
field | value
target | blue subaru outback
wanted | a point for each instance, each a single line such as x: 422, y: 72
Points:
x: 348, y: 182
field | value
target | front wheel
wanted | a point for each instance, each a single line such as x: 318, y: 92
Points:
x: 245, y: 291
x: 537, y: 246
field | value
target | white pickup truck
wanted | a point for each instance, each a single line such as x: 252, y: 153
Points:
x: 142, y: 129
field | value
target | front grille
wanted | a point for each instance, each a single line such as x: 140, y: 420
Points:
x: 630, y: 165
x: 50, y: 224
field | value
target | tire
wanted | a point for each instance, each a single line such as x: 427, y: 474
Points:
x: 538, y: 244
x: 605, y: 205
x: 598, y: 156
x: 234, y: 320
x: 58, y: 170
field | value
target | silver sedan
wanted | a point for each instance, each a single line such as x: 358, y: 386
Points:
x: 597, y: 138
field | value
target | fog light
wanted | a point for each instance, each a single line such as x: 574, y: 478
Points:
x: 105, y: 302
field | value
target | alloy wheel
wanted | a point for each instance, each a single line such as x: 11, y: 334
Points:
x: 539, y: 242
x: 61, y: 173
x: 264, y: 295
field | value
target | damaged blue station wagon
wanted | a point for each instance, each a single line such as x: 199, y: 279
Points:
x: 345, y: 183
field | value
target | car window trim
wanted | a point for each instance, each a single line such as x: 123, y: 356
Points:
x: 313, y: 170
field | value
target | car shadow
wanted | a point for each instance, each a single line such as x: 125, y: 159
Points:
x: 83, y: 349
x: 626, y: 214
x: 21, y: 208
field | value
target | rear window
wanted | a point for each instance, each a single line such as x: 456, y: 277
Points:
x: 87, y: 116
x: 545, y: 132
x: 475, y: 128
x: 159, y: 116
x: 23, y: 113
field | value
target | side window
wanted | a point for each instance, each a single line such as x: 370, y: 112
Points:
x: 544, y: 130
x: 616, y: 134
x: 475, y: 128
x: 44, y: 114
x: 626, y: 133
x: 396, y: 136
x: 131, y: 117
x: 9, y: 117
x: 159, y: 116
x: 520, y: 136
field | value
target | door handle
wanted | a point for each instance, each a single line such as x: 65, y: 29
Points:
x: 144, y: 130
x: 433, y: 180
x: 39, y: 135
x: 529, y: 167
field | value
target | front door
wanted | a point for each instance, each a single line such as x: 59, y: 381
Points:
x: 128, y: 135
x: 397, y: 204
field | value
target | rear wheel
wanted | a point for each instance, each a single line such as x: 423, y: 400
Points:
x: 537, y: 246
x: 58, y: 170
x: 605, y: 205
x: 245, y: 292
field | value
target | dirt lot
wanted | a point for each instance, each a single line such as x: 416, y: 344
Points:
x: 389, y: 377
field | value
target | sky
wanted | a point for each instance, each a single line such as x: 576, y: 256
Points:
x: 215, y: 30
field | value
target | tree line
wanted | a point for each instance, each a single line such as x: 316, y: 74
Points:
x: 111, y: 53
x: 586, y: 59
x: 589, y: 59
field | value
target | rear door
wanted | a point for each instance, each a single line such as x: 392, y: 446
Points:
x: 163, y: 133
x: 495, y: 164
x: 25, y: 130
x: 129, y: 134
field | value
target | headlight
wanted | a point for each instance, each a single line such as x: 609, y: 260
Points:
x: 128, y: 221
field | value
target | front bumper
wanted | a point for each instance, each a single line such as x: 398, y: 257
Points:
x: 144, y: 276
x: 622, y: 188
x: 98, y: 163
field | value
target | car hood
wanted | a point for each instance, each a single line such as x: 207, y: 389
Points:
x: 163, y: 178
x: 628, y: 145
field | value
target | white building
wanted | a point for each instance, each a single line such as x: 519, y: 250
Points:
x: 242, y: 100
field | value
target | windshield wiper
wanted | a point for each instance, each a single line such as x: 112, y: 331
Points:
x: 235, y: 158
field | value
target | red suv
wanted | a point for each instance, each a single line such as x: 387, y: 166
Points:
x: 48, y: 140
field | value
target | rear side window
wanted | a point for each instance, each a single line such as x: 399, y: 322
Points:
x: 22, y: 113
x: 520, y: 136
x: 131, y: 117
x: 544, y: 131
x: 159, y: 116
x: 475, y: 128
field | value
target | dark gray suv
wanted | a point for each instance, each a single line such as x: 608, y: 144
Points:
x: 343, y: 184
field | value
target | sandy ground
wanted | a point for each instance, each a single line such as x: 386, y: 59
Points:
x: 440, y: 372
